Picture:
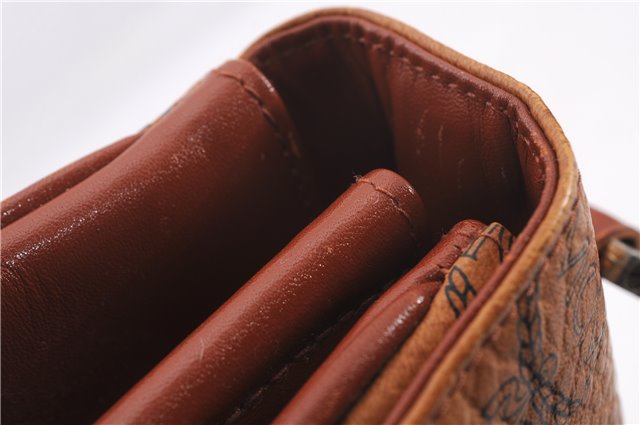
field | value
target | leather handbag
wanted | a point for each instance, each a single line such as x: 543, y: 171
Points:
x: 350, y: 223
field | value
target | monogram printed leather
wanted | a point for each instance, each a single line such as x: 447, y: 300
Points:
x: 532, y: 367
x: 326, y: 268
x: 379, y: 333
x: 463, y: 281
x: 128, y: 274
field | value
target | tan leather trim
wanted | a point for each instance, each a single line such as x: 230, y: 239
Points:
x: 484, y: 315
x: 462, y: 282
x: 345, y: 374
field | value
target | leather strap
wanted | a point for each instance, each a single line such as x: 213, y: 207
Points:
x: 618, y: 247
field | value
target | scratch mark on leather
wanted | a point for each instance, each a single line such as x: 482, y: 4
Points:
x: 255, y: 397
x: 43, y: 243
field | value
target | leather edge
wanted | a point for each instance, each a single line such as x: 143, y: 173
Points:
x: 543, y: 237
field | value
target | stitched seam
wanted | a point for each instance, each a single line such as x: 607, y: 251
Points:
x: 290, y: 150
x: 396, y: 206
x: 380, y: 47
x: 247, y: 404
x: 471, y: 94
x: 419, y: 70
x: 476, y: 355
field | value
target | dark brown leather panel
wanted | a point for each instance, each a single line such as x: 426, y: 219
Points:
x: 523, y: 146
x: 102, y: 281
x: 299, y: 292
x: 377, y: 335
x: 464, y: 144
x: 27, y: 200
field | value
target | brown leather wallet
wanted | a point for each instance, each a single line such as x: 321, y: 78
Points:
x: 349, y: 223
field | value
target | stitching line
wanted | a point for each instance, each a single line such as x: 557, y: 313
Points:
x: 419, y: 70
x: 396, y: 205
x: 290, y: 150
x: 476, y: 355
x: 454, y: 87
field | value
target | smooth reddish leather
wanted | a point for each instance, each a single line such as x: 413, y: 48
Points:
x: 377, y: 335
x: 99, y: 283
x: 327, y: 266
x: 131, y: 258
x: 62, y: 180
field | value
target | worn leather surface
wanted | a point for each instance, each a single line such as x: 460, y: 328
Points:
x: 102, y: 281
x: 299, y: 292
x: 548, y: 359
x: 377, y: 335
x: 477, y: 260
x: 109, y: 264
x: 545, y: 150
x: 441, y: 125
x: 55, y: 184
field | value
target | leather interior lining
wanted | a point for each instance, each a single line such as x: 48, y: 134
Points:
x: 360, y: 94
x: 181, y: 216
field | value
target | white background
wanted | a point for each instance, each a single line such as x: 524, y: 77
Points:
x: 78, y: 76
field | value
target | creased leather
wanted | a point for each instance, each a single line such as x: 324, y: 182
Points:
x: 99, y: 283
x: 560, y: 179
x: 377, y: 335
x: 104, y: 271
x: 326, y: 267
x: 463, y: 280
x: 465, y: 145
x: 548, y: 360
